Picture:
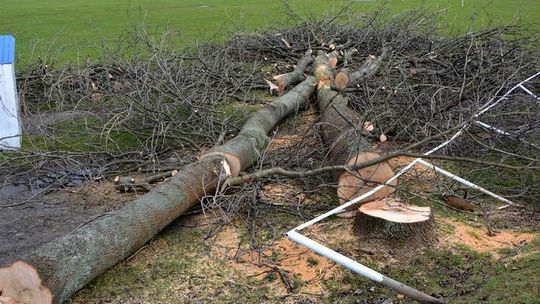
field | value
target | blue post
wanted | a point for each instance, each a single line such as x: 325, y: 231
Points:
x: 10, y: 127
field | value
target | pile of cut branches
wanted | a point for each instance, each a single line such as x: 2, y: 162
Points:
x: 407, y: 89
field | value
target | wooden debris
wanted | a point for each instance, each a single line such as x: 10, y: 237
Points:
x: 459, y: 202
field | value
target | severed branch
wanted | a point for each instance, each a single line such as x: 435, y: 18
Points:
x: 127, y: 183
x: 351, y: 168
x: 370, y: 67
x: 342, y: 132
x: 66, y: 264
x: 296, y: 76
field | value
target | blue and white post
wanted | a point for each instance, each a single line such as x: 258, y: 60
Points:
x: 10, y: 127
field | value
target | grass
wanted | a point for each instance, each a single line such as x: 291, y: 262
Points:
x: 459, y: 275
x: 174, y: 268
x: 77, y: 29
x: 80, y: 135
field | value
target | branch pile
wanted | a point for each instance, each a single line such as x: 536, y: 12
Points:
x: 397, y: 81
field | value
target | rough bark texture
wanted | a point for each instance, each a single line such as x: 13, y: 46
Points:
x: 247, y: 146
x: 370, y: 67
x: 341, y: 126
x: 67, y: 264
x: 342, y: 131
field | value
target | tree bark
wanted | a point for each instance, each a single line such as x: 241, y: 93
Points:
x: 370, y: 67
x: 342, y: 132
x: 296, y: 76
x: 68, y: 263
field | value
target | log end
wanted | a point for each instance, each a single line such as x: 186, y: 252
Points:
x: 395, y: 220
x: 281, y: 85
x: 333, y: 60
x: 20, y: 284
x: 233, y: 165
x: 341, y: 80
x: 352, y: 185
x: 271, y: 86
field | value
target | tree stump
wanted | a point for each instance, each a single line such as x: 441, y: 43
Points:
x: 394, y: 220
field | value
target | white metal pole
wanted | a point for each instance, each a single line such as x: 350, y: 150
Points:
x: 362, y: 270
x: 335, y: 256
x: 466, y: 182
x: 524, y: 88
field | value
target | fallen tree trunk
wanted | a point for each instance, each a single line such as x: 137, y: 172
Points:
x: 66, y: 264
x: 342, y: 131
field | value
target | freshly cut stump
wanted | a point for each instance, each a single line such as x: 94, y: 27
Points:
x: 394, y: 220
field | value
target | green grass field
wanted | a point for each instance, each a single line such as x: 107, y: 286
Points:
x: 73, y: 29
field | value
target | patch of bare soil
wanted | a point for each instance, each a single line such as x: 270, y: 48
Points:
x: 284, y: 265
x: 480, y: 240
x: 27, y: 222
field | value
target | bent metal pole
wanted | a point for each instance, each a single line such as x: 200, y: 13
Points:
x: 361, y: 269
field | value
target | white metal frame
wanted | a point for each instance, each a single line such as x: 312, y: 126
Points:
x: 365, y: 271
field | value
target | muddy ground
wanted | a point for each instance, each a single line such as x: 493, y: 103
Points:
x: 29, y: 219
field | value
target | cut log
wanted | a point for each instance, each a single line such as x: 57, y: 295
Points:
x: 342, y: 79
x: 20, y: 283
x: 354, y: 184
x: 68, y: 263
x: 296, y: 76
x: 243, y: 150
x: 370, y: 67
x: 342, y: 131
x: 394, y: 220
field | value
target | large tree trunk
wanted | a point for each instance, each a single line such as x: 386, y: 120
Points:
x: 342, y: 130
x: 68, y: 263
